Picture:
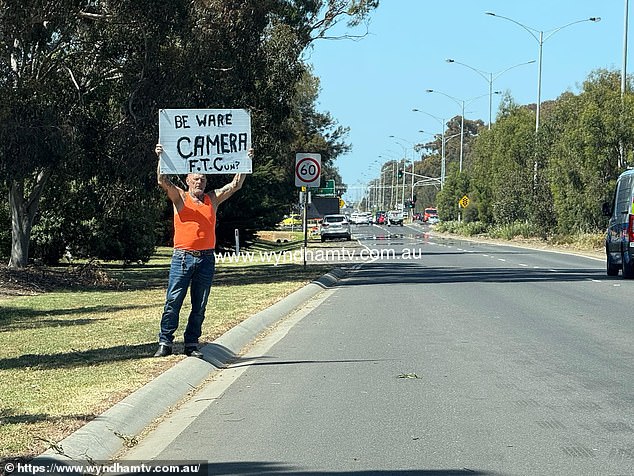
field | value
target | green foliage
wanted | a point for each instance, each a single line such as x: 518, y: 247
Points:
x: 584, y: 133
x: 82, y: 83
x: 456, y: 186
x: 529, y: 184
x: 511, y: 230
x: 462, y: 228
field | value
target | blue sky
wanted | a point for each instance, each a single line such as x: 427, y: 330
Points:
x: 372, y: 85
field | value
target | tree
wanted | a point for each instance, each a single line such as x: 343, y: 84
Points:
x: 83, y: 81
x: 66, y: 65
x: 502, y: 170
x: 584, y: 135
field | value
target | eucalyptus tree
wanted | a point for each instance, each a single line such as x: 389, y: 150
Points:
x: 502, y: 168
x: 584, y: 136
x: 65, y: 65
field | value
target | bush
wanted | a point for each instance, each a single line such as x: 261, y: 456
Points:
x: 510, y: 231
x: 474, y: 228
x: 462, y: 228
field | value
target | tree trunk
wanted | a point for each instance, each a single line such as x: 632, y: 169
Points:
x: 23, y: 210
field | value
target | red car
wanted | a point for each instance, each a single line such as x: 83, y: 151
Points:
x: 430, y: 212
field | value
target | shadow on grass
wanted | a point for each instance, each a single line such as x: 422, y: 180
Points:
x: 141, y: 276
x: 156, y: 276
x: 266, y: 274
x: 83, y: 358
x: 10, y: 416
x: 28, y: 318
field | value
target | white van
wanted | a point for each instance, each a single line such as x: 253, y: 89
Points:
x: 619, y: 239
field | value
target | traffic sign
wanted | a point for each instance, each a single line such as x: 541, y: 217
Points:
x: 307, y: 170
x: 464, y: 202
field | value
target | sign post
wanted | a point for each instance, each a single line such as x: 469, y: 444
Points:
x: 307, y: 174
x: 462, y: 203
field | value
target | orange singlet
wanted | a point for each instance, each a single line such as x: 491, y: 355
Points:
x: 195, y: 225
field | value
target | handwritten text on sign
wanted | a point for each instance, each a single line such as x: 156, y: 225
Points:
x: 205, y: 141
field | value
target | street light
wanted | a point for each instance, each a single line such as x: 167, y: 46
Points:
x: 392, y: 199
x: 461, y: 103
x: 412, y: 171
x: 489, y: 77
x: 443, y: 123
x: 538, y: 35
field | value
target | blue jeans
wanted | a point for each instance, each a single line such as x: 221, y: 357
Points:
x: 187, y: 271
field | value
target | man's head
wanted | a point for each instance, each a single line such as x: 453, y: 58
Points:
x: 196, y: 183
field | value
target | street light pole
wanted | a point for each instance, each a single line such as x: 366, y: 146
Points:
x: 624, y: 66
x: 412, y: 170
x: 538, y: 35
x: 443, y: 124
x: 489, y: 78
x: 461, y: 103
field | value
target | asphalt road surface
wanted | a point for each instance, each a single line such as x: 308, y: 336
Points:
x: 435, y: 357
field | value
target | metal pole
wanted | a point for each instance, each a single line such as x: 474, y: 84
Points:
x: 490, y: 98
x: 539, y: 80
x: 624, y: 70
x: 461, y: 136
x: 403, y: 187
x: 412, y: 194
x: 381, y: 192
x: 305, y: 223
x: 442, y: 163
x: 392, y: 199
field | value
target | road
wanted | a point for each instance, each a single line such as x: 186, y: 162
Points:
x: 463, y: 358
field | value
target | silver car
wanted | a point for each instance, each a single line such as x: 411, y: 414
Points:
x: 335, y: 226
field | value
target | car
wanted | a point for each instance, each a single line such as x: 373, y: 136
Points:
x: 619, y: 238
x: 363, y: 218
x: 290, y: 221
x: 429, y: 212
x: 359, y: 219
x: 380, y: 218
x: 394, y: 217
x: 432, y: 220
x: 335, y: 226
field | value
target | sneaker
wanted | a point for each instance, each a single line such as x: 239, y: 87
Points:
x: 192, y: 351
x: 163, y: 350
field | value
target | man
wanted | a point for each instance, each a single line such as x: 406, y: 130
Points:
x: 193, y: 260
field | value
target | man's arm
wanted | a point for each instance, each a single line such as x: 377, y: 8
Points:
x: 221, y: 194
x: 173, y: 192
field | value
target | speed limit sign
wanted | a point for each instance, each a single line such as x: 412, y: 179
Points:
x: 307, y: 170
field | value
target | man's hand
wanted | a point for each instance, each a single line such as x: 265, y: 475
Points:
x: 158, y: 150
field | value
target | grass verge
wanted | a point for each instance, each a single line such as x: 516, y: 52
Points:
x: 69, y: 355
x: 517, y: 233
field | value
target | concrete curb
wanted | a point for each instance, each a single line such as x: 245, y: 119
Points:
x: 100, y: 439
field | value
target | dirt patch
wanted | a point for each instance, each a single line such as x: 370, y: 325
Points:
x: 275, y: 236
x: 40, y: 279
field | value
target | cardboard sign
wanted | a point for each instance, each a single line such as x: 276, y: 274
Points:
x: 205, y: 141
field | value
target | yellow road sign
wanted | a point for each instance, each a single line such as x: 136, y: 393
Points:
x: 464, y: 202
x: 341, y: 203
